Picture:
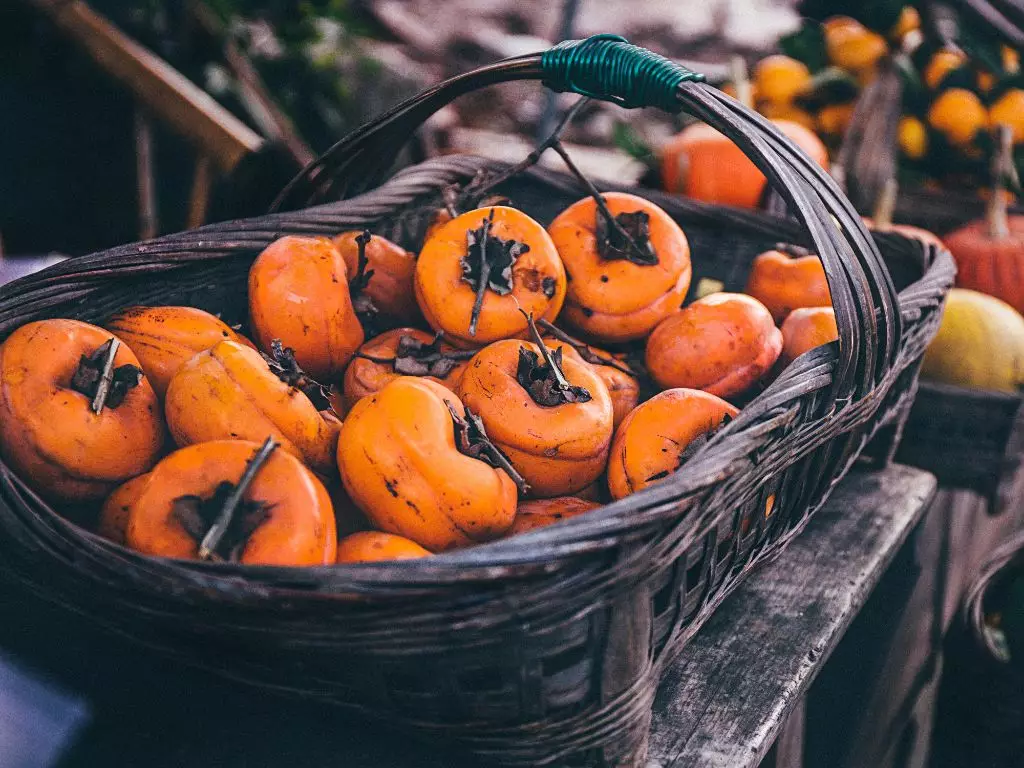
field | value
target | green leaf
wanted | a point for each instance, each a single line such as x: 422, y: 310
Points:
x: 807, y: 44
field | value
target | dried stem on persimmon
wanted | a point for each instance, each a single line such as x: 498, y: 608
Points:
x: 546, y: 382
x: 212, y: 540
x: 471, y: 439
x: 584, y: 350
x: 488, y: 264
x: 98, y: 379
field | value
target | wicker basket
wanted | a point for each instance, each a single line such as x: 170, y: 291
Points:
x: 980, y: 719
x: 545, y: 648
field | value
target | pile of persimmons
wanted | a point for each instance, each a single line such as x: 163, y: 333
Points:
x: 347, y: 431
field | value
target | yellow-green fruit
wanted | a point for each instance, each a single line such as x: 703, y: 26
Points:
x: 980, y: 344
x: 959, y: 114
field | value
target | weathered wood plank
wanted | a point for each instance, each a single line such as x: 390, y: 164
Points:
x: 724, y: 701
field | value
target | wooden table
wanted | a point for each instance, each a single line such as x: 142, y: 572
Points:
x: 723, y: 703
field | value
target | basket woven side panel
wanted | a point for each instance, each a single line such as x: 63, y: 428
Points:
x: 539, y: 650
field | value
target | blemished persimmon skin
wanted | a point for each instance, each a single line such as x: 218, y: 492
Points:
x: 391, y: 286
x: 783, y: 283
x: 721, y: 344
x: 558, y: 449
x: 623, y: 389
x: 615, y: 301
x: 446, y: 300
x: 400, y: 465
x: 364, y: 377
x: 374, y: 546
x: 229, y: 392
x: 48, y: 432
x: 114, y: 514
x: 299, y: 531
x: 806, y: 329
x: 299, y: 293
x: 539, y: 513
x: 163, y: 338
x: 649, y: 442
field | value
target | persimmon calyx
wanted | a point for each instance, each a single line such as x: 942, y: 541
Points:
x: 283, y: 364
x: 222, y: 524
x: 98, y: 379
x: 471, y: 440
x: 630, y: 240
x: 796, y: 251
x: 362, y: 303
x: 422, y: 358
x: 691, y: 449
x: 545, y: 380
x: 487, y: 265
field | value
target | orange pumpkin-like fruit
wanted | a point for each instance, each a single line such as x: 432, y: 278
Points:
x: 616, y: 293
x: 390, y: 287
x: 402, y: 352
x: 50, y: 372
x: 655, y: 439
x: 543, y: 512
x: 165, y: 337
x: 229, y: 392
x: 401, y: 465
x: 992, y: 265
x: 284, y: 518
x: 706, y: 165
x: 114, y: 514
x: 806, y: 329
x: 555, y: 427
x: 721, y: 344
x: 479, y: 272
x: 299, y: 293
x: 623, y: 386
x: 373, y: 546
x: 783, y: 282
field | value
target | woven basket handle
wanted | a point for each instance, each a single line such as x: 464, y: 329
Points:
x: 607, y: 67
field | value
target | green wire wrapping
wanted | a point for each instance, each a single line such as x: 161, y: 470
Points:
x: 607, y: 67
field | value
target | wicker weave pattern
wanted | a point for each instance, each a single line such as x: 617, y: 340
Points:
x: 546, y: 648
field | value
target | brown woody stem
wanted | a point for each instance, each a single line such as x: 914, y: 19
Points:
x: 583, y: 349
x: 472, y: 440
x: 556, y: 371
x: 211, y: 541
x: 741, y: 81
x: 594, y: 192
x: 106, y: 377
x: 1002, y: 167
x: 886, y: 205
x: 485, y: 274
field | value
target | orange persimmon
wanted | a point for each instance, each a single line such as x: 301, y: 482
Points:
x: 477, y: 271
x: 284, y: 516
x: 58, y: 429
x: 660, y: 435
x: 543, y: 512
x: 805, y: 329
x: 114, y: 514
x: 413, y: 460
x: 165, y: 337
x: 402, y: 352
x: 299, y: 293
x: 783, y: 281
x: 721, y: 344
x: 551, y: 416
x: 617, y: 292
x: 229, y: 391
x: 706, y: 165
x: 373, y: 546
x: 390, y: 269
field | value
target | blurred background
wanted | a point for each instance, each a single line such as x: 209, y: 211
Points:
x: 86, y: 162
